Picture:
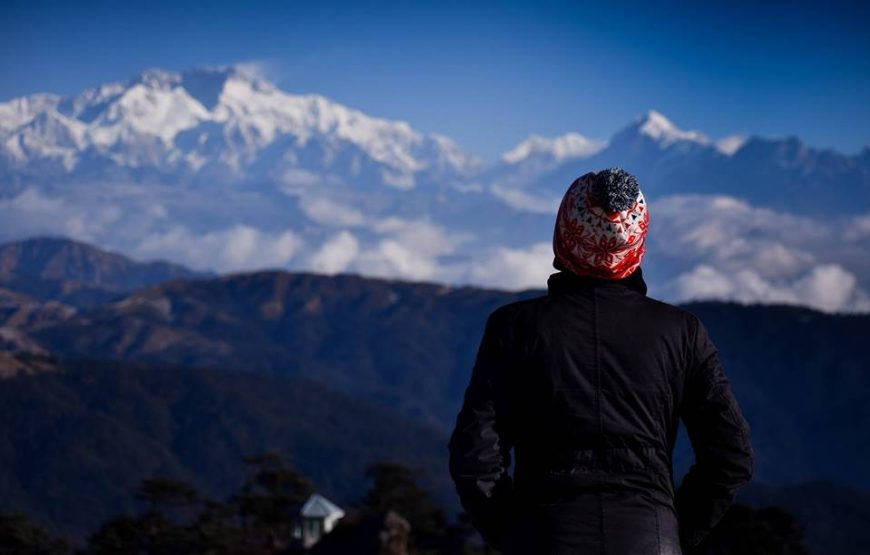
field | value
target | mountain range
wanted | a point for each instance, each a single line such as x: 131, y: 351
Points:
x: 213, y: 124
x: 219, y: 170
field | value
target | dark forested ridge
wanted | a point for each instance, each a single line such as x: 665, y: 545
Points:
x: 803, y: 380
x: 337, y: 371
x: 801, y: 376
x: 74, y: 444
x: 405, y: 345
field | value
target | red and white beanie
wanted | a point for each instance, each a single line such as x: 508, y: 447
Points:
x: 601, y: 225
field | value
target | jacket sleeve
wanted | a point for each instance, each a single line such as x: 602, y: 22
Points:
x: 720, y: 439
x: 480, y: 445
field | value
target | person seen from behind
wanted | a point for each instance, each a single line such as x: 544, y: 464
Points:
x: 584, y: 387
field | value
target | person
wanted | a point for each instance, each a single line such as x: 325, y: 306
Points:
x: 586, y: 385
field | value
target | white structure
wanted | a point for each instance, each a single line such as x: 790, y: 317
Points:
x: 317, y: 517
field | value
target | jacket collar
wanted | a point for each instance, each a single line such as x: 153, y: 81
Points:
x: 566, y: 281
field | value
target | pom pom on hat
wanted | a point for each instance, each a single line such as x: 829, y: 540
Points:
x: 601, y: 225
x: 614, y: 189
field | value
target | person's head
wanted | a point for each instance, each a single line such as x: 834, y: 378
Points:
x: 601, y: 226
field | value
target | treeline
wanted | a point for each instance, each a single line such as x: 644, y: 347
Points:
x: 396, y: 516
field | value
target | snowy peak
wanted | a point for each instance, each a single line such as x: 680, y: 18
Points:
x: 662, y: 131
x: 152, y: 105
x: 203, y: 79
x: 207, y: 84
x: 651, y: 127
x: 156, y: 78
x: 448, y: 154
x: 225, y: 123
x: 19, y: 111
x: 220, y: 117
x: 570, y: 145
x: 730, y: 144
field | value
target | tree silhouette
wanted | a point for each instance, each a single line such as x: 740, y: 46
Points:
x: 395, y: 494
x: 269, y: 500
x: 166, y: 494
x: 747, y: 531
x: 395, y: 516
x: 217, y: 530
x: 19, y: 536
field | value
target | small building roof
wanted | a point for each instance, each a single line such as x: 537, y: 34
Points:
x: 318, y: 506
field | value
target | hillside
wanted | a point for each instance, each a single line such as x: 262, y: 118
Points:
x: 800, y: 375
x: 75, y: 444
x: 76, y: 273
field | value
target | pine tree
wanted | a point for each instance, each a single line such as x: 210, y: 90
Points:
x: 269, y: 500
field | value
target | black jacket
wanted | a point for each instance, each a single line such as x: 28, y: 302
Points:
x: 586, y: 385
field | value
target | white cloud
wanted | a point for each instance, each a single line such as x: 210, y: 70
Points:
x: 732, y: 235
x: 403, y: 180
x: 328, y: 212
x: 233, y: 249
x: 32, y: 213
x: 707, y: 223
x: 296, y: 181
x: 829, y: 288
x: 773, y: 260
x: 410, y: 249
x: 512, y: 268
x: 336, y: 254
x: 859, y: 228
x: 526, y: 202
x: 700, y: 247
x: 392, y: 258
x: 702, y: 283
x: 389, y: 224
x: 731, y: 250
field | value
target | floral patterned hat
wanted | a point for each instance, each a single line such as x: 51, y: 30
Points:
x: 601, y: 225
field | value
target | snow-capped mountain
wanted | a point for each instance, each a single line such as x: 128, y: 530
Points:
x: 661, y: 130
x: 569, y: 145
x: 777, y: 173
x: 214, y: 123
x: 219, y: 170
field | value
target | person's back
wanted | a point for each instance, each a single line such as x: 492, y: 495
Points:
x: 587, y: 384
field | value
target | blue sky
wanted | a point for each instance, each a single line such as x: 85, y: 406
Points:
x: 486, y: 74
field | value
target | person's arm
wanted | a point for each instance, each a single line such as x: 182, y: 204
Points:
x: 720, y: 439
x: 480, y: 445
